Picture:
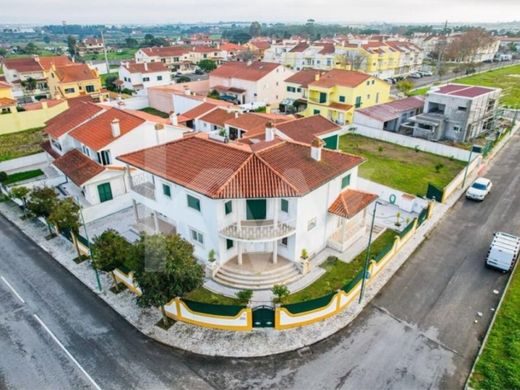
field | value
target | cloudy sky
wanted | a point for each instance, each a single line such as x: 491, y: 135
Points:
x: 173, y: 11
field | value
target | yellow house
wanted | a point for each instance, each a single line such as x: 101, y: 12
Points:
x: 337, y: 93
x: 6, y: 90
x: 373, y: 57
x: 73, y: 80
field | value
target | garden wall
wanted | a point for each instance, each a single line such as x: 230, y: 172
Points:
x: 133, y: 103
x: 15, y: 164
x: 402, y: 199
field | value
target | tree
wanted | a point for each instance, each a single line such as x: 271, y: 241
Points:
x: 47, y: 39
x: 466, y: 45
x: 21, y: 193
x: 164, y: 268
x: 131, y: 42
x: 183, y: 79
x: 255, y: 29
x: 29, y: 84
x: 71, y: 44
x: 246, y: 55
x: 214, y: 94
x: 404, y: 86
x: 3, y: 176
x: 65, y: 216
x: 355, y: 60
x: 244, y: 295
x: 30, y: 48
x: 41, y: 202
x: 281, y: 291
x: 207, y: 65
x: 109, y: 251
x: 110, y: 83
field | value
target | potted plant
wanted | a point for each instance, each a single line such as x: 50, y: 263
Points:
x: 306, y: 265
x: 211, y: 266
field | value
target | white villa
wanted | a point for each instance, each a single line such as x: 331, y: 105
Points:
x: 257, y: 205
x: 141, y: 76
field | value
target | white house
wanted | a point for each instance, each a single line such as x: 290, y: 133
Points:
x: 141, y: 76
x: 257, y: 206
x: 247, y: 82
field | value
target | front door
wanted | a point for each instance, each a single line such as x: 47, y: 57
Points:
x: 256, y: 209
x: 105, y: 192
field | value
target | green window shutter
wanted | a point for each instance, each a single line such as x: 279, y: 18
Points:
x: 284, y: 205
x: 342, y: 99
x: 345, y: 181
x: 256, y: 208
x: 167, y: 191
x: 331, y: 142
x: 316, y: 112
x: 358, y: 101
x: 229, y: 244
x: 105, y: 192
x: 193, y: 202
x: 228, y: 207
x: 323, y: 97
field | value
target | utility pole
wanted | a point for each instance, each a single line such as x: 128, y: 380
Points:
x: 442, y: 46
x: 105, y: 52
x: 367, y: 257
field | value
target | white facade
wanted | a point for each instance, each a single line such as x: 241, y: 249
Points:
x: 141, y: 81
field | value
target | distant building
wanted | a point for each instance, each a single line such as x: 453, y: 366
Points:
x: 140, y: 76
x: 73, y: 80
x: 90, y: 45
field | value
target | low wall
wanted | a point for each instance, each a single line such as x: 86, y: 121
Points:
x: 19, y: 121
x: 456, y: 183
x: 101, y: 210
x: 23, y: 162
x: 402, y: 199
x: 133, y: 103
x: 411, y: 142
x: 127, y: 280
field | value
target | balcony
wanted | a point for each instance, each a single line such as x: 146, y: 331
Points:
x: 142, y: 185
x: 264, y: 230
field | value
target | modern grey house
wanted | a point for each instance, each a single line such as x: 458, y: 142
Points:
x: 456, y: 112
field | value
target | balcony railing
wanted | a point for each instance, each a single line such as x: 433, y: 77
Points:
x: 143, y: 186
x: 259, y: 230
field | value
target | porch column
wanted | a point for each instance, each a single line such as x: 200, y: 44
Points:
x: 275, y: 251
x: 155, y: 222
x: 239, y: 251
x: 136, y: 211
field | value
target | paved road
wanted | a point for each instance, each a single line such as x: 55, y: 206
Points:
x: 419, y: 333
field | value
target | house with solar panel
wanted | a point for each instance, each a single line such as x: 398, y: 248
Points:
x: 257, y: 205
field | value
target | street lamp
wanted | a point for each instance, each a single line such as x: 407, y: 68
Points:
x: 367, y: 257
x: 88, y: 244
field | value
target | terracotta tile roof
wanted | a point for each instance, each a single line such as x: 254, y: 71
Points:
x: 350, y: 202
x: 48, y: 148
x: 78, y: 167
x: 218, y: 117
x: 306, y: 129
x: 252, y: 123
x: 149, y: 117
x: 244, y: 71
x: 222, y: 88
x: 57, y: 61
x: 24, y: 64
x: 200, y: 110
x: 392, y: 110
x: 39, y: 105
x: 80, y: 99
x: 4, y: 84
x: 304, y: 77
x: 71, y: 118
x: 7, y: 102
x: 462, y: 90
x: 231, y: 47
x: 347, y: 78
x: 76, y: 72
x: 278, y: 169
x: 328, y: 48
x: 97, y: 132
x: 299, y: 48
x: 261, y: 44
x: 167, y: 51
x: 150, y: 67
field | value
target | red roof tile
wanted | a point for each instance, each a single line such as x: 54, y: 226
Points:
x: 71, y: 118
x: 392, y: 110
x: 7, y: 102
x: 200, y: 110
x: 57, y: 61
x: 150, y: 67
x: 167, y: 51
x: 76, y: 72
x: 218, y: 117
x: 347, y: 78
x: 4, y: 84
x: 244, y: 71
x: 304, y: 77
x: 350, y: 202
x: 78, y: 167
x: 24, y: 64
x: 306, y: 129
x: 48, y: 148
x: 462, y: 90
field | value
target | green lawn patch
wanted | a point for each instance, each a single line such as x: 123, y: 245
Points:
x: 338, y: 273
x: 155, y: 112
x: 125, y: 54
x: 21, y: 176
x: 418, y: 91
x: 506, y: 78
x: 499, y: 365
x: 399, y: 167
x: 203, y: 295
x: 21, y: 144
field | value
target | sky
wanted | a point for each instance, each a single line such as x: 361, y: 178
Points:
x: 324, y: 11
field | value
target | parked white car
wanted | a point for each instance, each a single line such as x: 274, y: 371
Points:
x: 479, y: 189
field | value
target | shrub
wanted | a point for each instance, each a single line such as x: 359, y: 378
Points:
x: 380, y: 149
x: 3, y: 176
x: 438, y: 167
x: 244, y: 295
x: 281, y: 291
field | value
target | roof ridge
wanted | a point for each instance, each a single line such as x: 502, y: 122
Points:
x: 240, y: 168
x: 276, y: 172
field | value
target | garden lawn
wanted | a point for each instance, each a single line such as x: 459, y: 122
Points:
x: 21, y: 144
x: 21, y: 176
x: 205, y: 296
x: 418, y: 91
x: 339, y: 273
x: 398, y: 167
x: 499, y: 365
x: 506, y: 78
x: 125, y: 54
x: 155, y: 112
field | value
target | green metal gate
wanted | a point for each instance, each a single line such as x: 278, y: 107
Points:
x: 263, y: 317
x: 434, y: 193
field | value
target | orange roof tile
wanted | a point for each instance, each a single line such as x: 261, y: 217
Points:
x: 218, y: 117
x: 57, y: 61
x: 150, y: 67
x: 4, y: 84
x: 71, y: 118
x: 304, y: 77
x: 78, y: 167
x: 347, y: 78
x: 75, y: 72
x: 200, y: 110
x: 7, y: 102
x: 306, y: 129
x: 167, y: 51
x: 242, y: 70
x: 350, y: 202
x: 48, y: 148
x: 24, y: 64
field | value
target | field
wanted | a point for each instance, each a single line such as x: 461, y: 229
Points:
x: 499, y: 365
x: 506, y: 78
x: 125, y: 54
x: 21, y: 144
x: 398, y: 167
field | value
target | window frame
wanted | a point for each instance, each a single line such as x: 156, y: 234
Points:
x: 167, y: 187
x: 346, y: 179
x: 284, y: 205
x: 190, y: 204
x: 228, y: 209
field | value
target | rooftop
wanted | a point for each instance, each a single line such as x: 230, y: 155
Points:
x: 304, y: 77
x: 75, y: 72
x: 306, y: 129
x: 251, y: 71
x: 346, y: 78
x: 78, y: 167
x: 71, y: 118
x: 350, y: 202
x: 462, y: 90
x: 392, y: 110
x: 150, y: 67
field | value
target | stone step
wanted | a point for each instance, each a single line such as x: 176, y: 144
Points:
x: 261, y: 276
x: 274, y: 271
x: 263, y: 285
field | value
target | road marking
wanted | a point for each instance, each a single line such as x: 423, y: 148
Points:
x: 67, y: 352
x: 12, y: 289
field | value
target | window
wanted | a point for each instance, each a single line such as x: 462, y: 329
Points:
x: 256, y: 209
x: 461, y: 108
x: 228, y: 207
x: 373, y: 82
x: 291, y: 89
x: 105, y: 192
x: 90, y: 88
x: 358, y: 101
x: 368, y: 82
x: 284, y: 205
x: 316, y: 112
x: 311, y: 224
x: 456, y: 128
x: 323, y: 97
x: 197, y: 237
x: 69, y: 90
x: 368, y: 97
x: 85, y: 150
x: 167, y: 191
x: 298, y: 89
x: 193, y: 203
x: 146, y: 79
x: 104, y: 157
x: 285, y: 241
x: 229, y: 244
x: 345, y: 181
x: 159, y: 78
x: 342, y: 99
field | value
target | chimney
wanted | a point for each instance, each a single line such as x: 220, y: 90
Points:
x: 159, y: 131
x: 146, y: 66
x: 187, y: 91
x: 267, y: 108
x: 317, y: 77
x: 174, y: 119
x: 236, y: 114
x: 116, y: 129
x: 316, y: 146
x: 270, y: 132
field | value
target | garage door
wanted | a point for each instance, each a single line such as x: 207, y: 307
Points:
x: 331, y: 142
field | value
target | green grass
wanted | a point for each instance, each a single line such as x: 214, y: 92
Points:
x: 21, y: 144
x: 338, y: 273
x: 155, y: 112
x: 125, y: 54
x: 499, y: 365
x: 21, y: 176
x: 506, y: 78
x: 205, y: 296
x: 398, y: 167
x: 419, y: 91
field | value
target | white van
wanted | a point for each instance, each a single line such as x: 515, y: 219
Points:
x: 503, y: 251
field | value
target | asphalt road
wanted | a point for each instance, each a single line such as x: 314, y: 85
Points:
x: 419, y: 333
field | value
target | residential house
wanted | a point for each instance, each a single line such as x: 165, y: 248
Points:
x: 306, y: 130
x: 73, y: 80
x: 250, y: 127
x: 177, y: 58
x: 456, y: 112
x: 248, y: 82
x: 90, y: 45
x: 211, y: 119
x: 141, y: 76
x: 256, y: 206
x: 337, y: 93
x: 302, y: 55
x: 7, y: 102
x: 296, y: 90
x: 389, y: 116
